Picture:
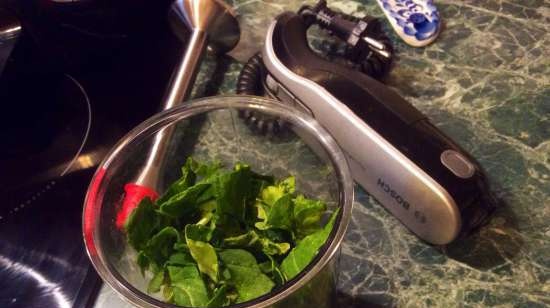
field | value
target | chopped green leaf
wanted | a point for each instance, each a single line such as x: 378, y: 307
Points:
x: 208, y: 194
x: 227, y: 218
x: 274, y: 210
x: 301, y: 255
x: 228, y: 226
x: 187, y: 180
x: 142, y: 223
x: 262, y: 213
x: 278, y: 276
x: 271, y: 268
x: 232, y: 296
x: 271, y: 248
x: 246, y: 275
x: 205, y: 170
x: 198, y: 233
x: 207, y: 211
x: 279, y: 215
x: 219, y: 299
x: 259, y: 182
x: 275, y: 235
x: 143, y: 261
x: 253, y: 240
x: 181, y: 247
x: 289, y: 185
x: 226, y: 275
x: 248, y: 239
x: 180, y: 259
x: 168, y: 294
x: 161, y: 246
x: 187, y: 286
x: 156, y: 282
x: 307, y: 215
x: 203, y: 253
x: 271, y: 194
x: 183, y: 202
x: 231, y: 191
x: 210, y: 174
x: 265, y: 267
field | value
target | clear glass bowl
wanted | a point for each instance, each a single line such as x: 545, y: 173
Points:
x: 211, y: 129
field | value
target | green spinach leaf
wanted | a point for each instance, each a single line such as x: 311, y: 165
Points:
x: 156, y: 282
x: 181, y: 247
x: 207, y: 210
x: 271, y: 268
x: 231, y: 190
x: 209, y: 174
x: 246, y: 276
x: 251, y: 239
x: 142, y: 223
x: 205, y: 170
x: 271, y: 194
x: 278, y: 216
x: 161, y: 246
x: 187, y: 286
x: 289, y: 185
x: 198, y: 233
x: 219, y: 298
x: 248, y: 239
x: 143, y: 261
x: 307, y: 215
x: 259, y: 182
x: 272, y: 248
x: 183, y: 202
x: 225, y: 216
x: 187, y: 180
x: 274, y: 210
x: 168, y: 294
x: 301, y: 255
x: 181, y: 259
x: 204, y: 254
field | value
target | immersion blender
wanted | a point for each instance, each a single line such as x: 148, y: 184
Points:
x: 211, y: 23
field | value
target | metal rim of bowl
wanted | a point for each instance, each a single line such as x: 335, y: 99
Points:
x: 203, y: 105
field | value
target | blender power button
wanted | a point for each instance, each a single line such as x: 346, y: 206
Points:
x: 457, y: 164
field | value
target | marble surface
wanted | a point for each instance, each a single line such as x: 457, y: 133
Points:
x: 485, y: 82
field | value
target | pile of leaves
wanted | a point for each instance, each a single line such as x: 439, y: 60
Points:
x: 218, y: 237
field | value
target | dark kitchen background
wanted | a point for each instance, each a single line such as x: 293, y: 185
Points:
x: 81, y: 75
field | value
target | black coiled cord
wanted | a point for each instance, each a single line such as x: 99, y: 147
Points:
x: 251, y: 76
x: 250, y: 82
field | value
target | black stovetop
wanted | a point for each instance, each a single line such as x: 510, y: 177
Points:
x: 67, y: 96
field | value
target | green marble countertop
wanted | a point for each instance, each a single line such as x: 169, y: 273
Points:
x: 485, y: 82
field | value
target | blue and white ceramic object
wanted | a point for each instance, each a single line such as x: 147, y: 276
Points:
x: 417, y: 22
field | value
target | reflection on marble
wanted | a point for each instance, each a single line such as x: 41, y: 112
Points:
x: 486, y: 82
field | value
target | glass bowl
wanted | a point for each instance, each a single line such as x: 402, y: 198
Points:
x: 212, y: 129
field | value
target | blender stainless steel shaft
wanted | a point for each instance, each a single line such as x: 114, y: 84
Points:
x: 211, y: 24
